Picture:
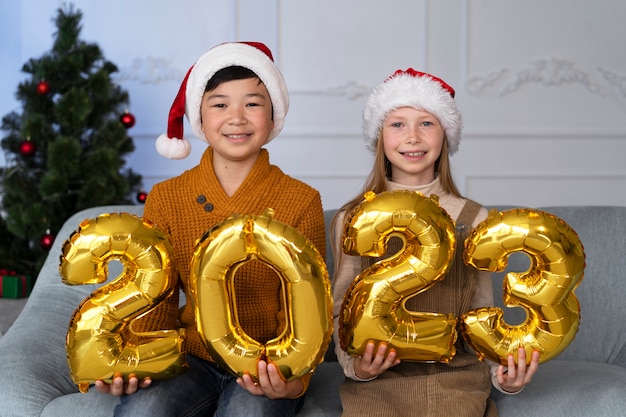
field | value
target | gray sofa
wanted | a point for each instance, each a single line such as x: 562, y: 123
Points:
x: 587, y: 379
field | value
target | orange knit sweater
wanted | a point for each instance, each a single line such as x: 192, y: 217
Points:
x: 188, y: 205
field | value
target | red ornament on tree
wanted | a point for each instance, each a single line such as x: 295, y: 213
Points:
x: 141, y: 197
x: 47, y: 240
x: 127, y: 119
x: 27, y: 148
x: 43, y: 88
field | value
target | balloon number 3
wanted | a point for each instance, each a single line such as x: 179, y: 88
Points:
x: 374, y: 306
x: 545, y: 291
x: 99, y: 340
x: 308, y: 301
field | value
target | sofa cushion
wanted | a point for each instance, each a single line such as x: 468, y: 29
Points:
x: 569, y: 388
x: 34, y: 369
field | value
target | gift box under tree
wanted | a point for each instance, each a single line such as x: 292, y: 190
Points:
x: 13, y: 285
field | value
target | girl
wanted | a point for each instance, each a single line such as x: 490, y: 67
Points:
x: 412, y: 124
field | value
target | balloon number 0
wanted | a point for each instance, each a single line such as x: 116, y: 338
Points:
x: 307, y: 295
x: 99, y: 340
x: 372, y: 308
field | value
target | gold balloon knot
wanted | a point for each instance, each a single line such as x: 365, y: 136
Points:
x: 269, y: 213
x: 248, y: 227
x: 433, y: 197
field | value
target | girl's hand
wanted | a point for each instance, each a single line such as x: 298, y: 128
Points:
x: 512, y: 378
x: 119, y: 387
x: 271, y: 383
x: 369, y: 365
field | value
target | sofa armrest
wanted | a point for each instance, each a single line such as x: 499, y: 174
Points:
x: 34, y: 369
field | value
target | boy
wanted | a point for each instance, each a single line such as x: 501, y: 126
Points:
x: 236, y: 100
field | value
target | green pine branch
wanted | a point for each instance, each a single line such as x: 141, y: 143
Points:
x: 80, y: 145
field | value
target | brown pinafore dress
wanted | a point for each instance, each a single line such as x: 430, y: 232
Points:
x: 459, y: 388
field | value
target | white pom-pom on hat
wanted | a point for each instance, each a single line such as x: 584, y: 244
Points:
x: 252, y: 55
x: 413, y: 89
x: 173, y: 148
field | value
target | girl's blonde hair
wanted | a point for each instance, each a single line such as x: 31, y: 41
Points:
x: 376, y: 182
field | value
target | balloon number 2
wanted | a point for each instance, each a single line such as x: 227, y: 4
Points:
x: 99, y: 340
x: 373, y: 306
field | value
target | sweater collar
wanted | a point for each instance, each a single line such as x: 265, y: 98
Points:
x: 256, y: 179
x: 427, y: 190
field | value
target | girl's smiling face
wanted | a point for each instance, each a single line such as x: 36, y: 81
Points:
x: 412, y: 141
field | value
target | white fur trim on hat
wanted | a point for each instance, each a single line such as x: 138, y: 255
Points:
x: 413, y: 89
x: 252, y: 55
x: 173, y: 148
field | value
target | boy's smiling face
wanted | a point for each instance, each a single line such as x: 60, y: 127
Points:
x: 237, y: 119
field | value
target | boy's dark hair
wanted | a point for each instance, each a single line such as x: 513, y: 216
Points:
x: 230, y: 74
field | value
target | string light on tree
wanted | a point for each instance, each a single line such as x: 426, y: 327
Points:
x: 127, y: 119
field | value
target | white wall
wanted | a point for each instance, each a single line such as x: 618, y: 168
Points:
x: 542, y: 85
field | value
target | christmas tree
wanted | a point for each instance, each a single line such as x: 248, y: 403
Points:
x: 65, y: 151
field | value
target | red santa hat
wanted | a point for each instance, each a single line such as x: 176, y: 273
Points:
x: 414, y: 89
x: 252, y: 55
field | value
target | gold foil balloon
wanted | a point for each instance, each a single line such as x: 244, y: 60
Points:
x: 545, y: 291
x: 99, y: 340
x: 308, y: 302
x: 374, y: 306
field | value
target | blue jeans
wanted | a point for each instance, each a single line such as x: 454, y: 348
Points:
x: 204, y: 390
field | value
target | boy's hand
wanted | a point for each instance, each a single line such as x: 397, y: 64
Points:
x: 512, y: 378
x: 119, y: 387
x: 369, y: 365
x: 271, y: 383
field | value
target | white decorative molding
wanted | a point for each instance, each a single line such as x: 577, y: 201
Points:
x: 476, y: 85
x: 352, y: 90
x: 547, y: 72
x: 545, y: 133
x: 617, y: 82
x: 150, y: 70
